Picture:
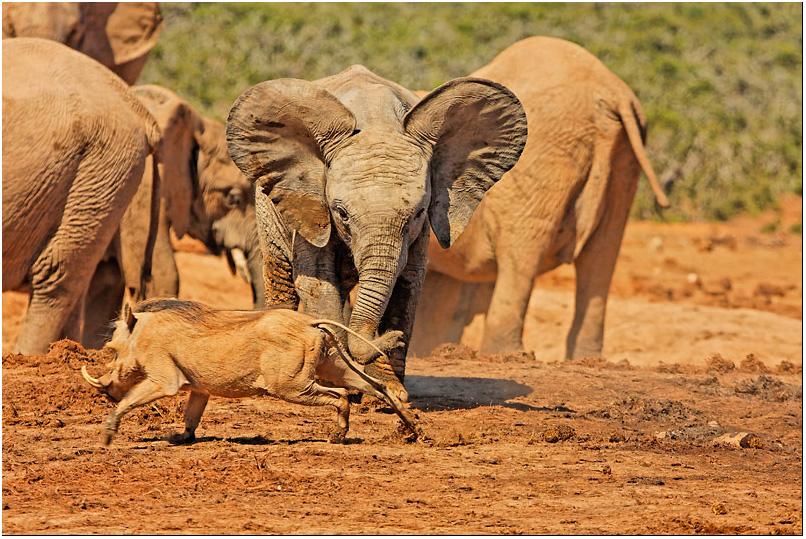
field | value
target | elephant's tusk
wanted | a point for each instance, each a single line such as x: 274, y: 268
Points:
x: 90, y: 380
x: 239, y: 258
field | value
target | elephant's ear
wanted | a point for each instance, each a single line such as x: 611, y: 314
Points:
x: 58, y: 21
x: 280, y: 134
x: 180, y: 126
x: 477, y: 129
x: 132, y: 29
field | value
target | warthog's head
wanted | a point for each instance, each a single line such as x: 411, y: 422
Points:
x: 126, y: 372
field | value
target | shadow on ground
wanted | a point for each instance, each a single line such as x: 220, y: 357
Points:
x: 437, y: 393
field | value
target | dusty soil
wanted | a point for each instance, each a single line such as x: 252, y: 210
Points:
x: 704, y: 340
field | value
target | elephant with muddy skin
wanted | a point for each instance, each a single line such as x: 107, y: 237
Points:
x: 567, y: 200
x: 204, y: 195
x: 351, y: 172
x: 75, y: 145
x: 120, y: 35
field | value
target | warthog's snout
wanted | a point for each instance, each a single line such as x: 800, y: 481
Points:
x: 100, y: 386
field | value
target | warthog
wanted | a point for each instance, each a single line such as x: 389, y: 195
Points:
x: 165, y: 345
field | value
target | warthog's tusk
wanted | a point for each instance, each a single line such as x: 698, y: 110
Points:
x: 90, y: 380
x: 239, y: 258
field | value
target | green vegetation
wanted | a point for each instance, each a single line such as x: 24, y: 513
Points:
x: 720, y: 83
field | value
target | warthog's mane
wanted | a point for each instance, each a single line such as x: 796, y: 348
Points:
x: 199, y: 315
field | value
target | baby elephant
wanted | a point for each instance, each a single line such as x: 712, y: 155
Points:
x: 164, y: 345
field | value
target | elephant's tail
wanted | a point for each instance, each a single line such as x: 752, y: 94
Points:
x: 155, y: 141
x: 631, y: 117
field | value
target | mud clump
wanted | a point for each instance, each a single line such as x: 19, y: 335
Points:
x: 601, y: 363
x: 558, y: 433
x: 744, y: 440
x: 751, y: 363
x: 454, y: 351
x: 787, y: 367
x: 521, y: 356
x: 677, y: 368
x: 718, y: 364
x: 644, y: 409
x: 768, y: 388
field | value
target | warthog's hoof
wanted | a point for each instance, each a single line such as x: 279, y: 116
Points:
x: 108, y: 434
x: 182, y: 439
x: 337, y: 436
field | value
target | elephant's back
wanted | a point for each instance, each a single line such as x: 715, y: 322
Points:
x: 45, y: 81
x: 534, y: 64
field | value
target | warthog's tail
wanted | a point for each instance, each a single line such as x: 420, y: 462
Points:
x: 398, y: 406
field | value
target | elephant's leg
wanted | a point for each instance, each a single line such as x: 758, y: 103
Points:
x: 596, y: 261
x: 59, y: 279
x: 276, y: 246
x: 474, y: 298
x: 594, y: 270
x: 103, y: 301
x: 73, y: 327
x: 400, y: 311
x: 62, y: 272
x: 503, y: 326
x: 438, y: 303
x: 164, y: 274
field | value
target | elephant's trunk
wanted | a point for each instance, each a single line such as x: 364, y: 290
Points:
x: 377, y: 274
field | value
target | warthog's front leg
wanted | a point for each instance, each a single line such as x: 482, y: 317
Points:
x: 143, y: 393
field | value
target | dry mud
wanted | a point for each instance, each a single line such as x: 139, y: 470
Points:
x: 642, y: 442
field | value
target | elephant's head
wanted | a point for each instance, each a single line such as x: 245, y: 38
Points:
x: 117, y: 34
x: 201, y: 186
x: 354, y: 156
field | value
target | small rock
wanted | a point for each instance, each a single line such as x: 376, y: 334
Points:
x: 656, y: 243
x: 719, y: 509
x: 740, y: 439
x: 693, y: 278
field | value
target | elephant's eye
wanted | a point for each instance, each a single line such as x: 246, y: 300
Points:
x: 342, y: 213
x: 419, y: 213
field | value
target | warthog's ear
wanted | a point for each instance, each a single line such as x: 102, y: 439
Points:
x: 128, y: 316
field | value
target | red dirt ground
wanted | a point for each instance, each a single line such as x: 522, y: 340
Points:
x: 703, y: 339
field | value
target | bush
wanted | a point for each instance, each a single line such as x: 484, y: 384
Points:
x: 720, y: 83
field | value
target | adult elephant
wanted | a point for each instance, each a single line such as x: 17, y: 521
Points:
x: 351, y: 172
x: 203, y: 194
x: 567, y: 200
x: 75, y: 143
x: 120, y: 35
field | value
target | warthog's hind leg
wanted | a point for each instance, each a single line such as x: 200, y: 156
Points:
x: 194, y: 408
x: 319, y: 395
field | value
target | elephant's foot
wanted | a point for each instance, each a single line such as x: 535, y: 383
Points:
x: 580, y: 352
x: 500, y: 345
